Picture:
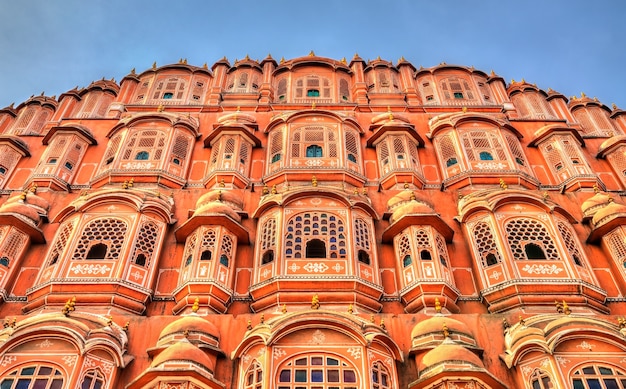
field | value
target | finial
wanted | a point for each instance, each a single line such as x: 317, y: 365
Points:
x: 595, y: 98
x: 109, y: 321
x: 523, y: 81
x: 69, y: 307
x: 522, y: 321
x: 125, y: 328
x: 559, y: 306
x: 364, y: 192
x: 222, y: 184
x: 282, y: 60
x: 350, y: 309
x: 205, y: 66
x: 284, y: 308
x: 505, y: 324
x: 446, y: 333
x: 343, y: 61
x: 437, y: 305
x: 545, y: 195
x: 390, y: 113
x: 160, y: 108
x: 596, y: 189
x: 382, y: 324
x: 614, y: 106
x: 464, y: 109
x: 265, y: 190
x: 262, y: 321
x: 402, y: 59
x: 274, y: 190
x: 313, y: 105
x: 503, y: 185
x: 492, y: 73
x: 315, y: 302
x: 154, y: 65
x: 621, y: 322
x: 372, y: 319
x: 186, y: 334
x: 33, y: 188
x: 132, y: 71
x: 311, y: 54
x: 512, y: 81
x: 582, y: 94
x: 413, y: 198
x: 196, y: 305
x: 314, y: 181
x: 356, y: 190
x: 566, y: 309
x: 406, y: 185
x: 249, y: 326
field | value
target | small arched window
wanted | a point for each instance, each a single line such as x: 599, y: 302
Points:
x: 224, y: 260
x: 486, y: 156
x: 314, y: 151
x: 254, y: 377
x: 364, y: 257
x: 98, y: 251
x: 451, y: 162
x: 93, y: 380
x: 206, y: 255
x: 540, y: 380
x: 315, y: 248
x: 600, y: 377
x: 534, y: 251
x: 267, y: 257
x: 4, y: 261
x: 142, y: 156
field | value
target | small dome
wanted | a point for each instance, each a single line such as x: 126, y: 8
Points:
x: 399, y: 199
x: 184, y: 351
x: 594, y: 203
x: 23, y: 210
x: 191, y: 323
x: 435, y: 325
x: 607, y: 213
x: 217, y: 207
x: 449, y: 352
x: 225, y: 196
x: 413, y: 207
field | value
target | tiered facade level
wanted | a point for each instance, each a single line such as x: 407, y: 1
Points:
x: 312, y: 224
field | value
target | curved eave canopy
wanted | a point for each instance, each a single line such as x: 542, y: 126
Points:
x: 177, y: 66
x: 155, y: 374
x: 10, y: 219
x: 418, y: 220
x: 455, y: 120
x: 17, y: 144
x: 380, y: 130
x: 446, y: 67
x: 312, y: 60
x: 479, y: 374
x: 492, y: 200
x: 212, y: 219
x: 78, y: 129
x: 547, y: 131
x: 609, y: 145
x: 245, y: 130
x: 172, y: 120
x: 289, y: 117
x: 43, y: 101
x: 280, y: 199
x: 85, y: 331
x: 140, y: 201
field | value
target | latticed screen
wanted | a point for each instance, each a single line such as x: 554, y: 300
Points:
x: 145, y: 145
x: 326, y: 227
x: 529, y: 239
x: 268, y: 234
x: 12, y: 246
x: 145, y: 243
x: 485, y: 244
x: 570, y: 243
x: 380, y: 376
x: 60, y: 242
x: 455, y: 88
x: 101, y: 239
x: 254, y: 377
x: 317, y: 372
x: 447, y: 151
x: 483, y: 145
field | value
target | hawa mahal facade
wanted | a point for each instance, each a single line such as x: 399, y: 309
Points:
x: 312, y: 224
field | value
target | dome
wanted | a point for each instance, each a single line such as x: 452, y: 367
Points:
x: 21, y: 209
x: 399, y: 199
x: 608, y: 212
x: 594, y: 203
x: 449, y: 352
x: 413, y: 207
x: 190, y: 323
x: 225, y: 196
x: 435, y: 325
x: 217, y: 207
x: 184, y: 351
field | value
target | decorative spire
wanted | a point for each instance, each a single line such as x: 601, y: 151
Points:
x: 196, y: 303
x: 154, y: 65
x: 311, y: 54
x: 437, y: 305
x: 505, y: 324
x: 69, y: 307
x: 314, y: 181
x: 249, y: 325
x: 503, y: 185
x: 315, y: 302
x: 446, y: 333
x: 566, y: 309
x: 614, y: 106
x: 262, y: 318
x: 284, y: 308
x: 274, y: 190
x: 522, y: 322
x: 350, y: 309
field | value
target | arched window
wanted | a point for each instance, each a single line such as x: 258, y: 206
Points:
x: 254, y: 376
x: 33, y: 377
x: 267, y: 257
x: 486, y: 156
x: 329, y: 228
x: 529, y: 239
x: 93, y: 380
x: 380, y: 376
x: 108, y: 232
x: 142, y: 156
x: 317, y: 371
x: 540, y: 380
x: 314, y: 151
x: 315, y: 248
x: 598, y: 377
x: 486, y: 244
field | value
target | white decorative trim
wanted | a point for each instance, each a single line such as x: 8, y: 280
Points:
x: 542, y: 269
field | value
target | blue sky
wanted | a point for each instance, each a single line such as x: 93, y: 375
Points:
x: 567, y: 45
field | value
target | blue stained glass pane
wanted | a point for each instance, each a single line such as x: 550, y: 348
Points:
x: 317, y: 376
x: 611, y: 383
x: 6, y: 384
x: 594, y: 383
x: 285, y: 376
x: 28, y: 371
x: 22, y: 383
x: 301, y: 376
